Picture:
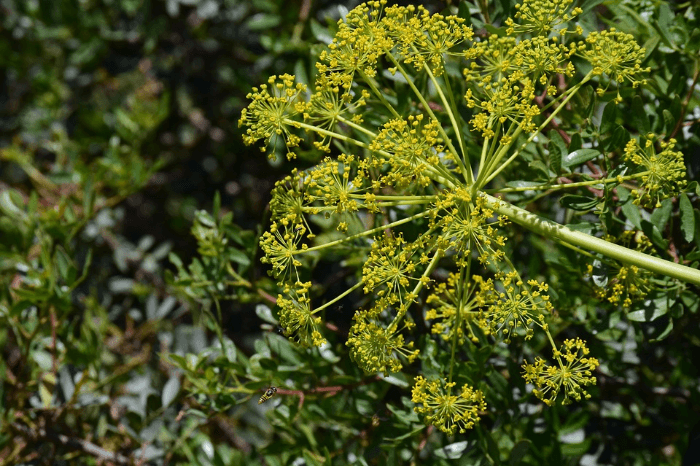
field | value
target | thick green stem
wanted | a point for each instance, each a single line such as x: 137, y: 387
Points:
x: 559, y: 232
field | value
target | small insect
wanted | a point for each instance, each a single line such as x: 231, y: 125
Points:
x: 269, y: 393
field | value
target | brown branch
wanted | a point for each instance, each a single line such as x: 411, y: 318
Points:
x: 332, y: 390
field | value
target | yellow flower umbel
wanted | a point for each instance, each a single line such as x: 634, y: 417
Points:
x: 389, y: 270
x: 425, y: 39
x: 375, y: 348
x: 572, y: 372
x: 449, y: 409
x: 664, y: 172
x: 518, y: 308
x: 616, y: 55
x: 464, y: 226
x: 445, y: 302
x: 540, y: 17
x: 337, y: 184
x: 280, y: 244
x: 296, y: 318
x: 411, y: 148
x: 358, y: 45
x: 271, y: 113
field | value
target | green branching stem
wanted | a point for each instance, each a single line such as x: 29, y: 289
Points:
x: 339, y: 297
x: 370, y: 82
x: 462, y: 292
x: 424, y: 213
x: 382, y: 197
x: 554, y: 187
x: 448, y: 108
x: 491, y: 174
x: 357, y: 127
x: 561, y: 233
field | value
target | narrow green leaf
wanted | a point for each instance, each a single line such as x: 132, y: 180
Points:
x: 576, y: 142
x: 661, y: 215
x: 170, y: 390
x: 639, y: 116
x: 576, y: 202
x: 557, y: 151
x: 631, y: 211
x: 609, y: 120
x: 687, y: 217
x: 669, y: 121
x: 463, y: 12
x: 263, y: 21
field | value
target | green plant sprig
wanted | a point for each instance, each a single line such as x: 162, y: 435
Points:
x: 409, y: 170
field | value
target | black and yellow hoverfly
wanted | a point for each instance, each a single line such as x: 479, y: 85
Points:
x: 269, y: 393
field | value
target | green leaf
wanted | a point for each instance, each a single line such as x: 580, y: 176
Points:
x: 319, y: 32
x: 265, y: 313
x: 693, y: 43
x: 10, y: 200
x: 234, y: 255
x: 518, y: 452
x: 661, y: 215
x: 400, y: 380
x: 578, y: 157
x: 669, y: 121
x: 664, y: 333
x: 609, y: 120
x: 654, y: 234
x: 639, y: 116
x: 557, y: 151
x: 170, y: 391
x: 652, y: 309
x: 618, y: 139
x: 576, y: 449
x: 576, y: 202
x: 263, y: 21
x: 576, y: 142
x: 687, y: 217
x: 631, y: 211
x: 452, y: 451
x: 464, y: 13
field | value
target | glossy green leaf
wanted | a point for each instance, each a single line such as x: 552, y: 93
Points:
x: 578, y: 157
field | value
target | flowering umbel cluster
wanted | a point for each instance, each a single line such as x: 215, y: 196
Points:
x: 407, y: 191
